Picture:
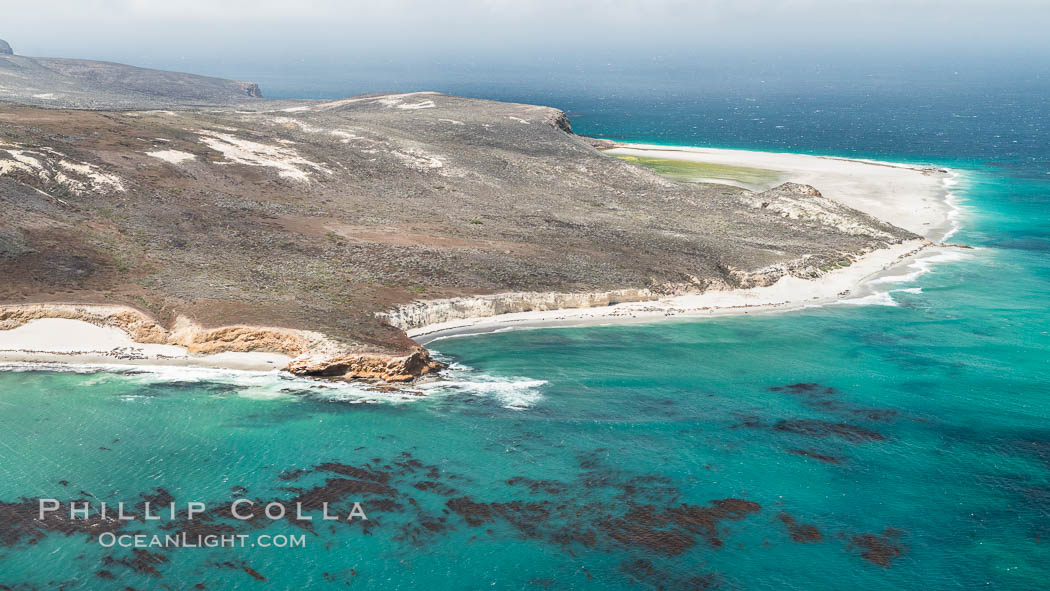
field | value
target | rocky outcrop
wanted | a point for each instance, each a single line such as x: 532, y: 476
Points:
x: 251, y: 89
x: 244, y: 339
x: 803, y: 202
x: 367, y: 366
x: 561, y: 121
x: 88, y: 84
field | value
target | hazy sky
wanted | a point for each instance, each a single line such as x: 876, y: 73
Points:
x: 259, y: 31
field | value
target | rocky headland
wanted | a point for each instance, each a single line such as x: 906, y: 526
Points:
x: 89, y: 84
x: 324, y: 229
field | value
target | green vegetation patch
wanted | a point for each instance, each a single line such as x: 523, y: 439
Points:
x: 697, y: 172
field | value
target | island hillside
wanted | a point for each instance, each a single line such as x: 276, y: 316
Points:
x: 304, y: 226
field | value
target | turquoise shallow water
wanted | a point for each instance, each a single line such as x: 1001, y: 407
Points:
x: 864, y: 447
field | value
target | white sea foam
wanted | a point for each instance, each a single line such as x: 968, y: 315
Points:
x: 263, y: 385
x: 273, y: 385
x: 879, y: 298
x: 955, y: 211
x: 513, y: 392
x: 919, y: 266
x: 884, y: 286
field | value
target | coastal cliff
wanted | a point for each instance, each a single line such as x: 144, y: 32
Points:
x: 422, y: 314
x: 251, y: 89
x: 428, y: 312
x: 313, y: 353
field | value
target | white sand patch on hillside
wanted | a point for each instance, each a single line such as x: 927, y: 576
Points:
x: 419, y: 160
x: 293, y: 123
x: 428, y: 104
x: 518, y: 119
x: 398, y: 100
x: 16, y: 164
x: 390, y: 100
x: 172, y: 156
x: 343, y: 135
x: 93, y: 173
x: 288, y: 163
x: 52, y: 166
x: 452, y: 121
x: 151, y: 112
x: 27, y: 160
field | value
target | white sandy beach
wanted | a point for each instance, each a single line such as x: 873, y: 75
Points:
x: 60, y: 340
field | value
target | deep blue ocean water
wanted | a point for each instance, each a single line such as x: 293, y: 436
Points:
x: 872, y: 447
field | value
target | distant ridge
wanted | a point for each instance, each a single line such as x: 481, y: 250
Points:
x: 88, y: 84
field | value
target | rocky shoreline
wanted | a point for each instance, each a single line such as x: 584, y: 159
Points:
x: 311, y: 354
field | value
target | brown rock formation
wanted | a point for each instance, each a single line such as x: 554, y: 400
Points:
x: 367, y: 366
x: 251, y: 89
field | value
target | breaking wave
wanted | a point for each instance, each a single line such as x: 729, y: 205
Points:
x: 513, y: 392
